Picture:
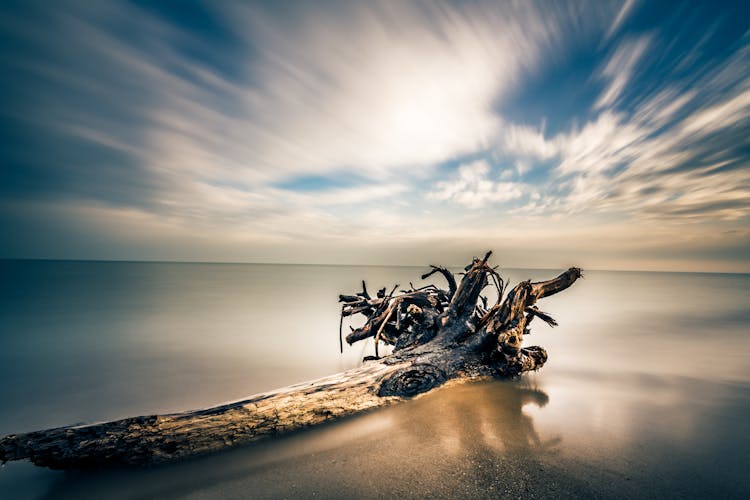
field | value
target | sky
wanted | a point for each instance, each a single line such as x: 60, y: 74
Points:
x: 608, y: 135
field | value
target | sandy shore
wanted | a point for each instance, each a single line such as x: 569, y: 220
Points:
x: 642, y: 439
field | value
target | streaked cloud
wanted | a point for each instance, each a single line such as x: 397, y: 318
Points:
x: 472, y: 187
x: 619, y: 69
x: 622, y: 15
x: 250, y: 128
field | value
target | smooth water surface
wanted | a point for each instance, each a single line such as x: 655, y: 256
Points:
x: 646, y: 392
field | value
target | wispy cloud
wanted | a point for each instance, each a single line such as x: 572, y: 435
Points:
x: 202, y: 127
x: 472, y: 187
x: 674, y: 153
x: 371, y: 88
x: 619, y: 69
x: 626, y: 9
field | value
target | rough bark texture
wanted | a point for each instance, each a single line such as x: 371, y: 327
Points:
x: 438, y: 336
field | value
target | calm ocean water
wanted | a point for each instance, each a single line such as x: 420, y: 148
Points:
x: 647, y: 388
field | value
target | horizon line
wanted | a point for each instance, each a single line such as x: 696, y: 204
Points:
x: 131, y: 261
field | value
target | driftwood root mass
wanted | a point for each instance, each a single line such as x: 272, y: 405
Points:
x: 438, y: 335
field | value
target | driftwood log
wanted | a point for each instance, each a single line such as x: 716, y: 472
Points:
x: 437, y: 336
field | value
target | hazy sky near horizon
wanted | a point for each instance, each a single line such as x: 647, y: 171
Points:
x: 611, y: 135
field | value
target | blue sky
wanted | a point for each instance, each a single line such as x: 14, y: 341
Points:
x: 610, y: 135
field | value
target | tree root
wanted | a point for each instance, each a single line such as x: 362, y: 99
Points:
x: 437, y: 336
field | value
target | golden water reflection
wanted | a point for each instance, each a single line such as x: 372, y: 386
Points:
x: 579, y: 436
x: 476, y: 418
x: 464, y: 436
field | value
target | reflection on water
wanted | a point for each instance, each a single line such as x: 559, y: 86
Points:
x: 476, y: 419
x: 635, y: 400
x: 444, y: 439
x: 474, y: 440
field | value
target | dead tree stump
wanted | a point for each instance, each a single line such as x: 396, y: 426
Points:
x: 437, y: 335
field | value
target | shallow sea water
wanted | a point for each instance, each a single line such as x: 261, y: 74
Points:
x: 646, y: 392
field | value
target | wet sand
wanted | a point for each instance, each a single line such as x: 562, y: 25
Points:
x: 581, y: 436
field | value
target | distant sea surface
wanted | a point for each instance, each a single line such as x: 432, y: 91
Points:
x: 646, y: 392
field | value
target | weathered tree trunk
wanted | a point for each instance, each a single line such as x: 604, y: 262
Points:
x: 438, y: 336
